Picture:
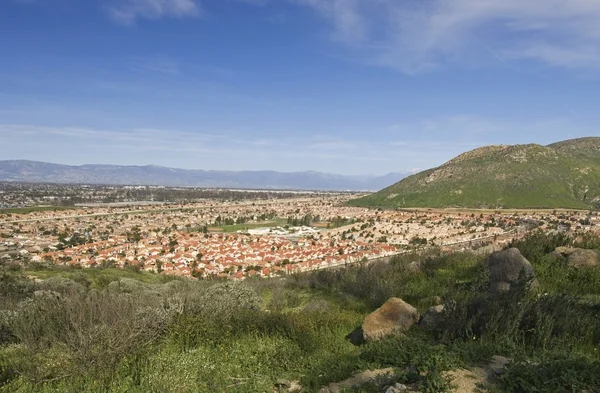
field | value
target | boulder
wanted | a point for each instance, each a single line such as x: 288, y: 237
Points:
x: 395, y: 316
x: 506, y: 268
x: 432, y: 317
x: 581, y: 258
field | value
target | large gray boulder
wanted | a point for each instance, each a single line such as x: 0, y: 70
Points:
x: 395, y: 316
x: 506, y: 268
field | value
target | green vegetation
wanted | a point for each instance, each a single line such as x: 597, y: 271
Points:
x: 105, y: 330
x: 562, y: 175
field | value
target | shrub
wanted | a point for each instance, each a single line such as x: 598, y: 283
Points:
x: 84, y: 333
x: 226, y: 299
x: 13, y: 285
x: 61, y: 285
x: 126, y: 285
x: 284, y: 298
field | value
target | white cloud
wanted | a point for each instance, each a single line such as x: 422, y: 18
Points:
x: 416, y: 35
x: 130, y: 10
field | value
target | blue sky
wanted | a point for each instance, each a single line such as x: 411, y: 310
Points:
x: 342, y: 86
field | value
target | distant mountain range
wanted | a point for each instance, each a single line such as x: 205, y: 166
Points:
x: 561, y: 175
x: 35, y: 172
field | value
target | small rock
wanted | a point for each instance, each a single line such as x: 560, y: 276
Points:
x: 282, y: 385
x: 413, y: 267
x: 432, y: 317
x: 497, y: 365
x: 356, y: 337
x: 397, y: 388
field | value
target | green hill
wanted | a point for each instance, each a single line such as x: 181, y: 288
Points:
x: 561, y: 175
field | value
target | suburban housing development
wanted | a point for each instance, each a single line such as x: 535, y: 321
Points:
x: 263, y: 237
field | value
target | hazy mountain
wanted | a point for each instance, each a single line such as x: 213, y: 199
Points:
x: 34, y: 171
x: 563, y: 174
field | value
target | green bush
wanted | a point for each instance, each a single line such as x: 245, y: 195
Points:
x: 226, y: 299
x: 13, y: 285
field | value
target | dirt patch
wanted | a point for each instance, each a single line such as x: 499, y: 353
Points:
x: 467, y: 381
x: 359, y: 379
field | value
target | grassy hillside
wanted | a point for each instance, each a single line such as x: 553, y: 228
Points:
x: 562, y: 175
x: 66, y: 334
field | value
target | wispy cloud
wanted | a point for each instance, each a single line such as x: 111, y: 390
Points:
x: 127, y: 11
x: 417, y: 35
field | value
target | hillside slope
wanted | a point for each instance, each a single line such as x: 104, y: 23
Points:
x: 564, y: 174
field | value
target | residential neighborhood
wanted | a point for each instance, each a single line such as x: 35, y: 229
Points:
x: 261, y: 237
